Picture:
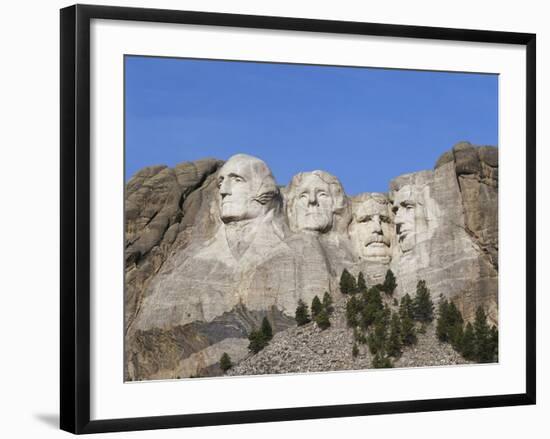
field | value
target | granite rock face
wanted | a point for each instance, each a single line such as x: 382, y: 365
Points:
x: 213, y: 247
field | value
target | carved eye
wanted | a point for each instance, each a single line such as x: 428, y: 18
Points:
x: 322, y: 195
x: 303, y: 196
x: 368, y: 218
x: 238, y: 179
x: 384, y: 219
x: 394, y: 209
x: 220, y: 181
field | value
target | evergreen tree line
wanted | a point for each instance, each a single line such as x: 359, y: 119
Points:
x: 384, y: 331
x: 348, y: 284
x: 320, y: 311
x: 477, y: 342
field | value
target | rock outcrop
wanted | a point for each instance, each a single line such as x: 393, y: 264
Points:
x: 212, y: 248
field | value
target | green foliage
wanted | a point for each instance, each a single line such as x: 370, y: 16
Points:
x: 376, y: 339
x: 468, y: 343
x: 354, y: 351
x: 327, y: 303
x: 394, y: 340
x: 259, y: 339
x: 423, y: 307
x: 390, y: 283
x: 361, y: 284
x: 450, y: 323
x: 322, y: 319
x: 316, y: 307
x: 408, y: 331
x: 406, y: 307
x: 484, y: 345
x: 395, y: 302
x: 347, y: 283
x: 353, y: 307
x: 225, y: 362
x: 372, y: 305
x: 267, y: 330
x: 381, y: 361
x: 477, y: 342
x: 302, y: 313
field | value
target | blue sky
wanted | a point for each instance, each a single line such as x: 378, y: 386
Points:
x: 366, y: 126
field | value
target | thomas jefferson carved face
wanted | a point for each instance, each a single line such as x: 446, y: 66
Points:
x: 372, y: 227
x: 314, y: 198
x: 406, y: 210
x: 247, y: 188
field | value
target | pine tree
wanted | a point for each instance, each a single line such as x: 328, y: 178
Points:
x: 302, y: 313
x: 394, y: 340
x: 483, y: 345
x: 225, y: 362
x: 423, y: 306
x: 390, y: 283
x: 257, y: 341
x: 456, y: 326
x: 361, y: 284
x: 377, y: 338
x: 327, y: 303
x: 322, y: 320
x: 354, y: 351
x: 316, y: 307
x: 468, y: 343
x: 266, y: 329
x: 352, y: 309
x: 408, y: 332
x: 371, y: 307
x: 442, y: 326
x: 406, y: 307
x: 347, y: 283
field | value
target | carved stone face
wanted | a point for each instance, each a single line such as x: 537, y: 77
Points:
x: 372, y: 227
x: 314, y: 205
x: 316, y: 202
x: 406, y: 213
x: 246, y: 188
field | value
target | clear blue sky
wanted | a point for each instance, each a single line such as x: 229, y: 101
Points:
x: 366, y: 126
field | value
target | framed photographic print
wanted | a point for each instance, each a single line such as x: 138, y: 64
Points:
x: 273, y: 218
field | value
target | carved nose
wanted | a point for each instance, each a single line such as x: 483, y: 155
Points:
x: 225, y: 189
x: 312, y: 200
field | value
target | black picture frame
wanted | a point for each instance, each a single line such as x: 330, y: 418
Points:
x: 75, y: 217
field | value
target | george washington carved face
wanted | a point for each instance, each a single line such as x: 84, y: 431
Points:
x: 246, y: 188
x: 372, y: 227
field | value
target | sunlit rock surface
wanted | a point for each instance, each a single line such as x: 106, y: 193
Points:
x: 212, y: 248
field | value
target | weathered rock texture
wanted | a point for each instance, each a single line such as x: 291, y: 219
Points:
x: 212, y: 248
x: 450, y: 238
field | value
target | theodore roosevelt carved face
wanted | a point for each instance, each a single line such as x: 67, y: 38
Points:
x: 371, y: 229
x: 313, y: 201
x: 246, y: 188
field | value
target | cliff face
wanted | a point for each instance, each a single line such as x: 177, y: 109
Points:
x: 212, y: 248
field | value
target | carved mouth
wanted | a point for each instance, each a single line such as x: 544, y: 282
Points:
x: 377, y: 244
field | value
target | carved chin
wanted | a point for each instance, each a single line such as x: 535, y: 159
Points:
x: 407, y: 243
x: 377, y: 252
x: 315, y: 223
